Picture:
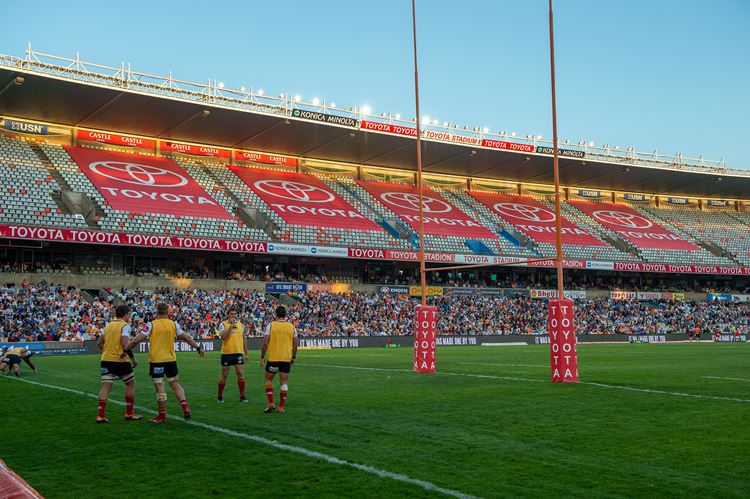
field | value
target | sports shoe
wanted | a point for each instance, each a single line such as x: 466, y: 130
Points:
x: 100, y: 420
x: 17, y: 373
x: 281, y: 410
x: 269, y: 409
x: 243, y: 400
x: 159, y: 419
x: 220, y: 400
x: 187, y: 416
x: 133, y: 417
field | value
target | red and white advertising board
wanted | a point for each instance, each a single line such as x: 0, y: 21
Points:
x: 215, y: 152
x: 562, y: 342
x: 129, y: 239
x: 425, y: 317
x: 534, y: 219
x: 268, y: 159
x: 302, y: 199
x: 634, y: 227
x: 440, y: 217
x: 376, y: 126
x: 115, y: 139
x: 507, y: 146
x: 144, y: 184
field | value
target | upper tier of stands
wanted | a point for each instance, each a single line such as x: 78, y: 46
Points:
x: 34, y: 176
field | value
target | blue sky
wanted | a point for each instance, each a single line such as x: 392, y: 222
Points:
x: 668, y: 75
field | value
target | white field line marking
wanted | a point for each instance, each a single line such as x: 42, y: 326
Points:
x: 719, y: 377
x: 603, y: 385
x: 497, y: 364
x: 487, y: 376
x: 278, y: 445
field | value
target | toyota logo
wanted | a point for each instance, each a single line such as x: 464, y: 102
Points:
x: 133, y: 173
x: 623, y: 219
x: 294, y: 191
x: 525, y: 212
x: 409, y: 201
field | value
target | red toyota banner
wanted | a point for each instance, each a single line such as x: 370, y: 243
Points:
x: 634, y: 227
x: 269, y: 159
x: 440, y: 217
x: 129, y: 239
x: 508, y: 146
x: 216, y: 152
x: 115, y: 138
x: 144, y: 184
x: 388, y: 128
x: 424, y: 339
x: 533, y: 219
x: 302, y: 199
x: 562, y: 342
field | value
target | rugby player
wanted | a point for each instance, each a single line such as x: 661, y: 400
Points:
x: 11, y: 359
x: 233, y: 353
x: 280, y: 343
x: 161, y: 334
x: 112, y: 343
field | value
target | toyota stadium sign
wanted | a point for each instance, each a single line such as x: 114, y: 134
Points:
x: 634, y: 227
x: 533, y: 219
x: 440, y: 217
x: 142, y: 184
x: 302, y: 199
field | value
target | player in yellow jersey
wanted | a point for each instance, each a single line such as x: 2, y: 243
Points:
x: 233, y: 353
x: 280, y: 346
x: 112, y: 342
x: 12, y: 357
x: 161, y: 334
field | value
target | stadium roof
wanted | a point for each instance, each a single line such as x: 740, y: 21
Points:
x: 76, y: 95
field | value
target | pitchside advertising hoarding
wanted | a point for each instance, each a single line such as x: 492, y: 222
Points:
x: 533, y: 219
x: 440, y: 217
x: 632, y: 226
x: 143, y: 184
x: 302, y: 199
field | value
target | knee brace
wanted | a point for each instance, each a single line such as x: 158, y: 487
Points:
x: 161, y: 397
x: 284, y: 388
x: 158, y: 381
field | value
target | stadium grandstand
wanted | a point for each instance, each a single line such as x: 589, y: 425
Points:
x: 220, y: 184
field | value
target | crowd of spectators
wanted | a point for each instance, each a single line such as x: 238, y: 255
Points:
x: 57, y: 313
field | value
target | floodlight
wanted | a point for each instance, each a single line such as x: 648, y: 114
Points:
x: 332, y: 105
x: 485, y: 129
x: 297, y: 98
x: 260, y: 91
x: 315, y: 101
x: 365, y: 109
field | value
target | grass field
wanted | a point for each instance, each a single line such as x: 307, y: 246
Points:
x: 647, y: 420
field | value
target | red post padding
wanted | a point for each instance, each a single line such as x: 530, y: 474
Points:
x: 13, y: 486
x: 562, y: 342
x: 424, y: 339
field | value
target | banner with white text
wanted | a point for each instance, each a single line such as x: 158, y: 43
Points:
x: 144, y: 184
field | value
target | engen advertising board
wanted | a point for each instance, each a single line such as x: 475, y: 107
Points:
x: 302, y: 199
x: 533, y: 219
x: 630, y: 225
x: 440, y: 217
x: 144, y: 184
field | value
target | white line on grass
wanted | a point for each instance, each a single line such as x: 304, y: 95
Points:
x: 278, y: 445
x: 468, y: 375
x: 719, y: 377
x: 502, y: 365
x: 602, y: 385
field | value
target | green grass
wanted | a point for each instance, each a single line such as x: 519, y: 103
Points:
x: 479, y: 435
